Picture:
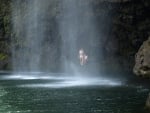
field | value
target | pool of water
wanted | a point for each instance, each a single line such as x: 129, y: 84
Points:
x: 54, y: 93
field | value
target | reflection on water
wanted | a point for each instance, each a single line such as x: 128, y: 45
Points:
x: 50, y: 94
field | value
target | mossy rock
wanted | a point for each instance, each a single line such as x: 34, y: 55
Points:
x: 3, y: 56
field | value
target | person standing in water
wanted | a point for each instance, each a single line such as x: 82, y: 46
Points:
x: 83, y: 57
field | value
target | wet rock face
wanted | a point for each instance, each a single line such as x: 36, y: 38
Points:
x: 142, y: 60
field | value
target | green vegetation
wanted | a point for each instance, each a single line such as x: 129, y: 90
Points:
x: 3, y: 56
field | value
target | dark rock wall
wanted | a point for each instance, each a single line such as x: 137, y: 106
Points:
x: 5, y: 34
x: 129, y: 27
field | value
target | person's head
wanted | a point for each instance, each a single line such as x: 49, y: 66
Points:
x: 81, y: 51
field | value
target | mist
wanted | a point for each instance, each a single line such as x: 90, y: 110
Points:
x: 48, y: 35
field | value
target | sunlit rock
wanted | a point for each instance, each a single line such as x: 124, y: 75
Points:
x: 142, y: 60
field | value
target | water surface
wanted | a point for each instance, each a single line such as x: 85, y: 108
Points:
x: 53, y: 93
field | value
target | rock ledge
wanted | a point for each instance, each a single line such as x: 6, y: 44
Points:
x: 142, y: 60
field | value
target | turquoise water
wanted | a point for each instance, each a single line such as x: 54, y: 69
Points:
x: 39, y: 94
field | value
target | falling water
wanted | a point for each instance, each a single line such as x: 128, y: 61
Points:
x: 32, y: 47
x: 30, y: 33
x: 77, y: 30
x: 48, y: 33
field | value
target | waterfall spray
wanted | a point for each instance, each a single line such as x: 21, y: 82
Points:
x: 37, y: 45
x: 78, y: 31
x: 34, y: 28
x: 33, y: 48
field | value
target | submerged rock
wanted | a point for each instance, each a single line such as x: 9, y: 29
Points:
x: 142, y: 60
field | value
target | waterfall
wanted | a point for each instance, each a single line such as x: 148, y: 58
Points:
x: 32, y: 47
x: 77, y: 30
x: 47, y: 36
x: 50, y: 33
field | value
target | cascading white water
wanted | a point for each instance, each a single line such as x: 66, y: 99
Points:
x: 77, y: 30
x: 35, y: 40
x: 76, y: 26
x: 30, y: 33
x: 69, y: 33
x: 32, y: 49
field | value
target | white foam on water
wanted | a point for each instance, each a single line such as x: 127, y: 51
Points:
x: 54, y: 80
x: 32, y: 76
x: 73, y: 83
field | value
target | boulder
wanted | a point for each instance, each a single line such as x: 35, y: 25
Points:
x: 142, y: 60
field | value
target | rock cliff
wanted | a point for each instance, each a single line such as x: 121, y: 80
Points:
x: 142, y: 60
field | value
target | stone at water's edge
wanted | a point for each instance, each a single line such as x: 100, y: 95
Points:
x: 142, y: 60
